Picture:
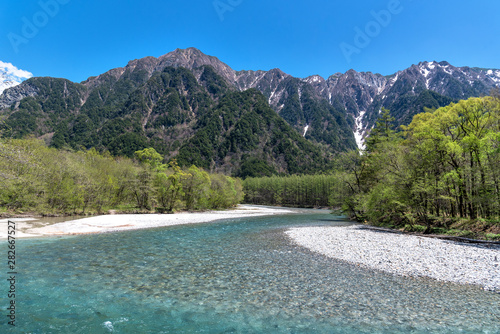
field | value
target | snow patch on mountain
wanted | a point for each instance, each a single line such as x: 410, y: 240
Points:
x: 395, y: 78
x: 272, y: 95
x: 425, y: 72
x: 11, y: 76
x: 494, y: 75
x: 314, y: 79
x: 359, y: 133
x: 448, y: 70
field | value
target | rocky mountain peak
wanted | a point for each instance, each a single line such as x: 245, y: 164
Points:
x: 314, y: 79
x: 192, y: 58
x: 144, y: 63
x: 189, y: 58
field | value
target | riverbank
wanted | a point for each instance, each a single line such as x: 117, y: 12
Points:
x: 31, y: 227
x: 405, y: 255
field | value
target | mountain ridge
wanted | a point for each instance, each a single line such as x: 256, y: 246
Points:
x: 320, y: 109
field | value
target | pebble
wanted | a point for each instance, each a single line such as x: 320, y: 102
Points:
x: 406, y: 255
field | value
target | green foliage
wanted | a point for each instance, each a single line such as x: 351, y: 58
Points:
x: 415, y: 228
x: 30, y: 105
x: 214, y: 83
x: 445, y: 164
x: 151, y: 157
x: 493, y: 236
x: 127, y: 144
x: 224, y: 191
x: 298, y: 191
x: 169, y: 187
x: 196, y: 187
x: 171, y: 110
x: 47, y: 180
x: 19, y: 124
x: 383, y: 130
x: 255, y: 167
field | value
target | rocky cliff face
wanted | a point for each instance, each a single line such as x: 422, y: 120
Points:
x: 15, y: 93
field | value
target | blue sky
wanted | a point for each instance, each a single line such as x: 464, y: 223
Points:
x: 76, y: 39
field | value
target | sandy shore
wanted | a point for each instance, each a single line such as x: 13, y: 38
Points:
x: 30, y: 227
x: 405, y: 254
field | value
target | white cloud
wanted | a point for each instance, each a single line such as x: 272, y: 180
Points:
x: 11, y: 69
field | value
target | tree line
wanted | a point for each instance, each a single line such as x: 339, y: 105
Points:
x: 39, y: 179
x: 295, y: 190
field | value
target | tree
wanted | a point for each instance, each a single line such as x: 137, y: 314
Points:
x: 382, y: 131
x: 169, y: 187
x: 151, y: 157
x: 196, y: 188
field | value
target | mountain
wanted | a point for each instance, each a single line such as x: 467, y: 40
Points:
x: 405, y: 93
x: 167, y: 102
x: 295, y: 100
x: 11, y: 76
x: 323, y: 109
x: 192, y: 115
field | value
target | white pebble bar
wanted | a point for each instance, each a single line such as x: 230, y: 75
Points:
x: 405, y: 254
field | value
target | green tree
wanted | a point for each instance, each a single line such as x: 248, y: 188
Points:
x: 151, y: 157
x: 196, y: 187
x: 169, y: 187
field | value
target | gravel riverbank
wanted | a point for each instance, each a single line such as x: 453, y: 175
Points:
x: 405, y: 254
x: 29, y: 227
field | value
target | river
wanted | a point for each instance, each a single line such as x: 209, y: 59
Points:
x: 233, y: 276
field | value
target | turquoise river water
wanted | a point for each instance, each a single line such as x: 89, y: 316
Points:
x: 232, y: 276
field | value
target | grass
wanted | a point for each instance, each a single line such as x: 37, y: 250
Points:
x: 465, y: 228
x: 492, y: 236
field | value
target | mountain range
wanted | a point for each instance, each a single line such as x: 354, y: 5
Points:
x: 196, y: 108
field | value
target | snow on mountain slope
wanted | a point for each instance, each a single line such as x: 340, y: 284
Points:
x: 11, y: 76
